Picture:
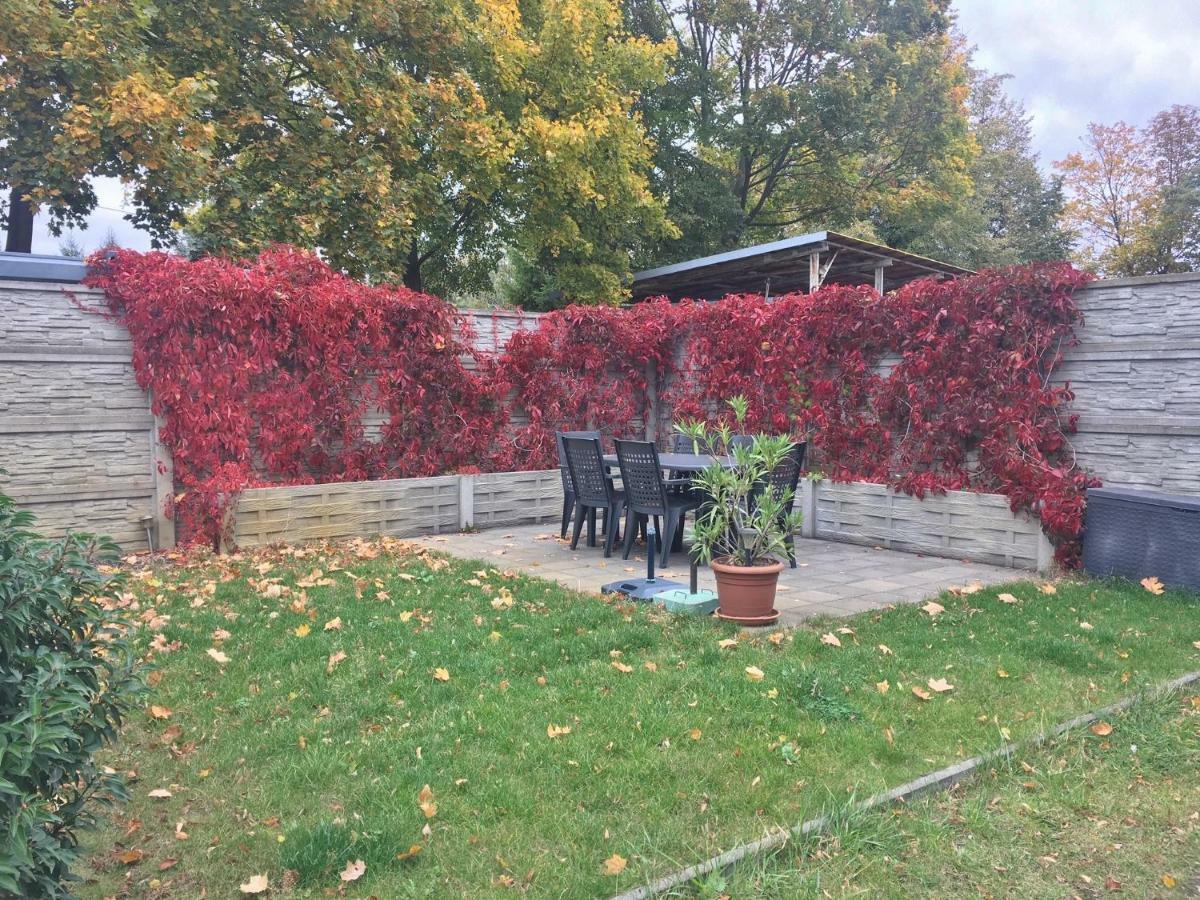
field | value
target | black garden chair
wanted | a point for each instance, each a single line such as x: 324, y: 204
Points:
x: 647, y: 497
x: 593, y: 490
x: 565, y: 471
x: 786, y: 477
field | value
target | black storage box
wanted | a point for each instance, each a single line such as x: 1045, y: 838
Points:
x: 1136, y: 534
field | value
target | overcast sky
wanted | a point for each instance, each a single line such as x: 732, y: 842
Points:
x: 1072, y: 62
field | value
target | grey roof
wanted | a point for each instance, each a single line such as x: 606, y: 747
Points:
x: 782, y: 266
x: 39, y: 267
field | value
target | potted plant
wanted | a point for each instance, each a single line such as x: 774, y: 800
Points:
x: 742, y: 526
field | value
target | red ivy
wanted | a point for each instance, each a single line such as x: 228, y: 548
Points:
x: 274, y: 370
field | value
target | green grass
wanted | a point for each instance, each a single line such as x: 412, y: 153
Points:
x: 276, y: 766
x: 1083, y: 816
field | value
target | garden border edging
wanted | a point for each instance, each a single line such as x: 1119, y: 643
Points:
x: 941, y: 779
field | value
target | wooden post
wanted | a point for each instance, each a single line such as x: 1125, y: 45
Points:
x: 879, y: 266
x: 814, y: 271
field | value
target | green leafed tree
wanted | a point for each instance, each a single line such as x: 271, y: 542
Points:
x: 781, y: 115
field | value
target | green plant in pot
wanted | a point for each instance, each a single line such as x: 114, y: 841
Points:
x: 743, y: 526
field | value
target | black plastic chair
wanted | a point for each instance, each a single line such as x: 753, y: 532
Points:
x: 785, y: 477
x: 647, y: 497
x: 593, y: 491
x: 564, y: 470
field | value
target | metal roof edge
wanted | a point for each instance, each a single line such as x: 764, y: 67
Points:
x: 41, y: 267
x: 700, y: 262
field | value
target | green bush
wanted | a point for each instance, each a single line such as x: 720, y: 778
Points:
x: 67, y: 677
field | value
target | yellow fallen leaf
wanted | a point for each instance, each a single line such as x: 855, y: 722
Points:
x: 941, y: 685
x: 1000, y: 673
x: 1101, y: 729
x: 440, y: 674
x: 557, y: 731
x: 933, y: 609
x: 775, y: 637
x: 845, y: 630
x: 160, y: 712
x: 650, y: 666
x: 615, y: 865
x: 217, y: 655
x: 131, y: 857
x: 621, y: 667
x: 256, y: 885
x: 726, y: 643
x: 354, y: 870
x: 334, y: 624
x: 405, y: 615
x: 831, y: 640
x: 882, y: 686
x: 1007, y: 598
x: 885, y: 650
x: 414, y: 850
x: 754, y: 673
x: 1153, y: 585
x: 1168, y: 881
x: 772, y: 693
x: 1048, y: 588
x: 425, y: 801
x: 921, y: 693
x: 302, y: 630
x: 694, y: 734
x: 334, y: 659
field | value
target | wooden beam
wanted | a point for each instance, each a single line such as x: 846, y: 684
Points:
x: 814, y: 271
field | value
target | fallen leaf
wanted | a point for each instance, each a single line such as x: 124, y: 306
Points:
x: 775, y: 637
x: 159, y: 794
x: 302, y: 630
x: 694, y: 734
x: 1000, y: 673
x: 334, y: 624
x: 160, y: 712
x: 256, y: 885
x: 615, y: 865
x: 412, y: 851
x: 1085, y: 626
x: 754, y: 673
x: 882, y: 686
x: 650, y: 666
x: 621, y: 667
x: 1007, y: 598
x: 440, y: 674
x: 354, y: 870
x: 889, y: 736
x: 425, y: 801
x: 726, y: 643
x: 1153, y: 585
x: 557, y: 731
x: 885, y: 650
x: 1048, y: 588
x: 941, y: 685
x: 1101, y: 729
x: 1112, y: 884
x: 933, y: 609
x: 130, y: 857
x: 831, y: 640
x: 921, y: 692
x: 772, y: 693
x: 334, y: 659
x: 1168, y: 881
x: 216, y: 654
x: 169, y: 863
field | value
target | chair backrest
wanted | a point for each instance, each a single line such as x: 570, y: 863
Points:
x: 586, y: 464
x: 641, y: 476
x: 786, y: 475
x: 741, y: 440
x: 568, y: 484
x: 684, y: 444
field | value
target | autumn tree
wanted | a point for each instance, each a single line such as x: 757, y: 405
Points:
x: 785, y: 114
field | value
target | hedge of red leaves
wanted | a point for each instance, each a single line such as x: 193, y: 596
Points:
x: 266, y: 372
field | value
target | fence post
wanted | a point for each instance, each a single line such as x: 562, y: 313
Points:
x: 162, y: 473
x: 1045, y: 552
x: 466, y: 502
x: 651, y: 402
x: 808, y: 507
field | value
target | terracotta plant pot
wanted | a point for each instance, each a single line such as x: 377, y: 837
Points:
x: 746, y: 594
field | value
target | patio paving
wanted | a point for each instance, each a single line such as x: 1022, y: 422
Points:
x: 832, y: 579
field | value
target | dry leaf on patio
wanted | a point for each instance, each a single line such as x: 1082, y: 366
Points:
x: 1007, y: 598
x: 921, y: 693
x: 216, y: 654
x: 831, y: 640
x: 727, y: 643
x: 621, y: 667
x: 334, y: 659
x: 941, y: 685
x: 425, y: 801
x: 334, y: 624
x: 256, y: 885
x: 1153, y: 585
x: 933, y: 609
x: 302, y: 630
x: 354, y: 870
x: 882, y: 686
x: 754, y: 673
x: 1101, y: 729
x: 1048, y: 588
x: 557, y: 731
x: 440, y: 674
x: 615, y: 865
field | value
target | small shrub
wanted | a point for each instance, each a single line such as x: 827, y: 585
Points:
x: 67, y: 677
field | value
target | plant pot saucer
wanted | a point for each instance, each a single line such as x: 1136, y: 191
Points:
x: 770, y: 619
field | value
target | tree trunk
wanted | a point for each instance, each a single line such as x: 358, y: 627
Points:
x: 20, y: 222
x: 412, y: 270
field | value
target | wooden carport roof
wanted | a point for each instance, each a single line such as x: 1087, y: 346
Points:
x: 793, y: 264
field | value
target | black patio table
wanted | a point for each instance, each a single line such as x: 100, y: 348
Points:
x: 682, y: 462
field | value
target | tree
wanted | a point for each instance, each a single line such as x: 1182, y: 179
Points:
x: 404, y: 140
x: 1011, y: 214
x: 785, y: 114
x: 80, y: 96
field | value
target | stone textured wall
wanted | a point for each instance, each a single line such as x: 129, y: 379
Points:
x: 1136, y: 377
x: 76, y: 432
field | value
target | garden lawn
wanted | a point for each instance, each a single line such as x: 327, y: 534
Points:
x: 573, y: 746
